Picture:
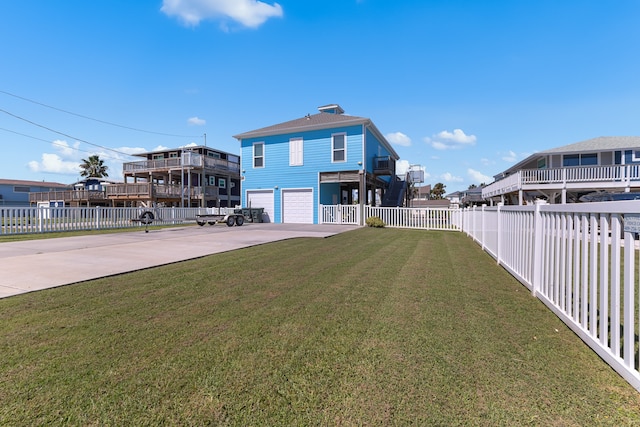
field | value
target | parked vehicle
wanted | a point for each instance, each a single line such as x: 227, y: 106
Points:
x: 607, y: 196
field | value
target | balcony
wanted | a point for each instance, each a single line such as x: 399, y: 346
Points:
x: 68, y: 196
x: 384, y: 165
x: 176, y: 163
x: 158, y: 191
x: 578, y: 178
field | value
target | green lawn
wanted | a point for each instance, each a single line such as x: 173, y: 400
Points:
x: 369, y: 327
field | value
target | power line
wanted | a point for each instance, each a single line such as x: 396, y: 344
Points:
x: 63, y: 134
x: 98, y: 120
x: 58, y: 144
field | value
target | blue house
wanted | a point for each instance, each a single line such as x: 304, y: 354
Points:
x: 328, y: 158
x: 16, y: 193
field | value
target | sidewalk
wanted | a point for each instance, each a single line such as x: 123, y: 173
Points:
x: 34, y: 265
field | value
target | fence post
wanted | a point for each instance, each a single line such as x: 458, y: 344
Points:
x: 537, y: 248
x: 482, y: 226
x: 98, y: 217
x: 499, y: 233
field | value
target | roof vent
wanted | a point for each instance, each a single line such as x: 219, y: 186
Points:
x: 331, y: 109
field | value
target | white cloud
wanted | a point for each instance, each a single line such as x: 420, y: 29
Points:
x: 53, y: 163
x: 510, y: 157
x: 131, y: 150
x: 446, y: 140
x: 65, y: 161
x: 402, y: 166
x: 478, y: 177
x: 196, y: 121
x: 250, y: 13
x: 449, y: 177
x: 486, y: 162
x: 399, y: 138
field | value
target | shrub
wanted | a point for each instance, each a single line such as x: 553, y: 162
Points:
x: 374, y: 221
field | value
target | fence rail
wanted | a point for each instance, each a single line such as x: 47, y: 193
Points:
x: 49, y: 219
x: 580, y: 260
x: 422, y: 218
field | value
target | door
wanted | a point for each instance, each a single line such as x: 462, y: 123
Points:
x: 297, y: 206
x: 262, y: 199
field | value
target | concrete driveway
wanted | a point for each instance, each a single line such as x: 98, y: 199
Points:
x: 33, y: 265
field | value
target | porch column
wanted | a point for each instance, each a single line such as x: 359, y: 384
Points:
x: 563, y: 198
x: 520, y: 197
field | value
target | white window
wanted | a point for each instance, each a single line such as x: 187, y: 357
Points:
x: 295, y: 152
x: 157, y: 156
x: 339, y: 147
x: 212, y: 181
x: 222, y: 183
x: 258, y: 155
x: 173, y: 155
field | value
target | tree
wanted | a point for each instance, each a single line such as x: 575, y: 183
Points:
x: 472, y: 186
x: 93, y: 167
x: 437, y: 192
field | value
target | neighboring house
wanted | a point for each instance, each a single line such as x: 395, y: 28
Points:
x: 564, y: 174
x: 328, y: 158
x: 471, y: 197
x: 196, y: 176
x: 454, y: 199
x: 86, y: 192
x: 421, y: 196
x: 15, y: 193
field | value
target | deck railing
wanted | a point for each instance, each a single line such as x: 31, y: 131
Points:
x: 146, y: 190
x: 68, y: 196
x: 620, y: 175
x: 176, y: 163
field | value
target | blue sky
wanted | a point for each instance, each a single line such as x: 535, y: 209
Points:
x: 463, y: 88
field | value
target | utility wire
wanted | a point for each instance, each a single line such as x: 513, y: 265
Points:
x: 64, y: 134
x: 57, y: 143
x: 98, y: 120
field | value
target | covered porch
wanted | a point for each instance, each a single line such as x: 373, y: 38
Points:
x: 561, y: 185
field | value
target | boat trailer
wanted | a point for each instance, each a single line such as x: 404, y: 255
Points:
x: 212, y: 219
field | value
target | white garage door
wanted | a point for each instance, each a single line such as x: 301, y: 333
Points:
x: 262, y: 199
x: 297, y: 206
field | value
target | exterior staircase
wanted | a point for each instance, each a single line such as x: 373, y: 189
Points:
x: 394, y: 196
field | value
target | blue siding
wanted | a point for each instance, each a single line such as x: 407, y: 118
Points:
x: 9, y: 197
x: 374, y: 149
x: 317, y: 157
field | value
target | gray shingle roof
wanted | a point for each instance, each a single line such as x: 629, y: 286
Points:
x: 306, y: 123
x: 598, y: 144
x: 315, y: 122
x: 33, y: 183
x: 601, y: 143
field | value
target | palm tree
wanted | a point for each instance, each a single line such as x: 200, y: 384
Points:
x: 437, y: 192
x: 93, y: 167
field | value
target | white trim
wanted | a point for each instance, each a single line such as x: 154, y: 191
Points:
x: 333, y: 135
x: 296, y: 151
x: 253, y: 155
x: 290, y: 190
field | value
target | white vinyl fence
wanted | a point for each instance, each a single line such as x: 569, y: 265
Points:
x: 581, y: 261
x: 423, y: 218
x: 50, y: 219
x: 339, y: 214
